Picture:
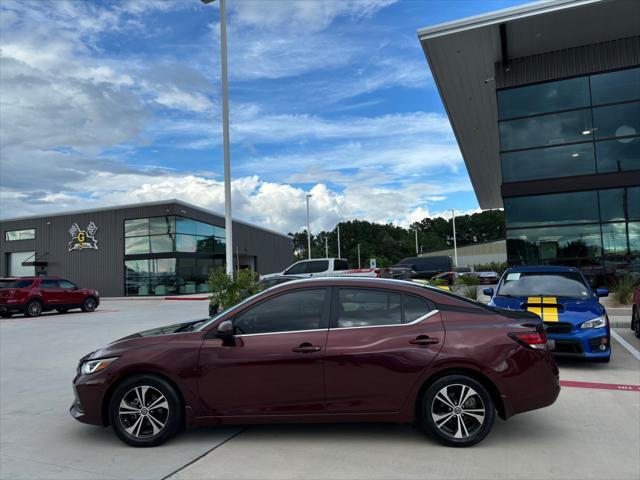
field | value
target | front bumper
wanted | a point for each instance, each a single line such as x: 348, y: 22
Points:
x: 89, y: 393
x: 585, y: 343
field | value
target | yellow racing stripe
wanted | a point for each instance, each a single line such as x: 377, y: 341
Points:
x: 547, y: 313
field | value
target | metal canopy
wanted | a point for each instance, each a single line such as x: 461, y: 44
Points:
x: 462, y: 57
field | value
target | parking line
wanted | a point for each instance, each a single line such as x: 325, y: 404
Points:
x: 625, y: 344
x: 600, y: 386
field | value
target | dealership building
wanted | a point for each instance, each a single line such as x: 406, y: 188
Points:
x: 544, y: 101
x: 158, y: 248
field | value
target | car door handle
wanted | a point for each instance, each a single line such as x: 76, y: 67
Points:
x: 306, y: 348
x: 424, y: 340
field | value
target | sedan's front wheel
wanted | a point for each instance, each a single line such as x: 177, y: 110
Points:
x: 145, y: 411
x: 457, y: 410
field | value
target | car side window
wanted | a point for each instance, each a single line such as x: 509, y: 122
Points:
x: 67, y: 285
x: 297, y: 269
x: 289, y: 312
x: 48, y: 284
x: 414, y: 308
x: 367, y: 308
x: 317, y: 266
x: 340, y: 265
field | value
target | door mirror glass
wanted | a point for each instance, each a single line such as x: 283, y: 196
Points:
x: 602, y: 292
x: 488, y: 291
x: 225, y: 330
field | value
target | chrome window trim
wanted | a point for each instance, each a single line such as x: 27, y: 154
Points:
x: 417, y: 320
x: 282, y: 333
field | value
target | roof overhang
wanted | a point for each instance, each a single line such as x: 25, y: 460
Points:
x: 462, y: 56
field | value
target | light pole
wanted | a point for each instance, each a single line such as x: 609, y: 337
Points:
x: 455, y: 247
x: 339, y: 242
x: 228, y: 223
x: 359, y: 257
x: 326, y: 246
x: 416, y: 230
x: 308, y: 227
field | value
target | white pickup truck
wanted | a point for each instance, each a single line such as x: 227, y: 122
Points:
x: 324, y: 267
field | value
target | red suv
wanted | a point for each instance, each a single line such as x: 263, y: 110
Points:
x: 34, y: 295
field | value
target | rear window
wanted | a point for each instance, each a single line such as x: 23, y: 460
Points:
x: 535, y: 284
x: 17, y: 284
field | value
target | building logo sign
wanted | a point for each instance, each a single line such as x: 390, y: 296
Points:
x: 81, y: 239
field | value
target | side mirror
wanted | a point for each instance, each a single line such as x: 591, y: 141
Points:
x: 602, y: 292
x: 488, y: 291
x: 225, y: 330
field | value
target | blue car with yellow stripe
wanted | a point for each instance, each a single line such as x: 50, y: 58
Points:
x: 575, y: 321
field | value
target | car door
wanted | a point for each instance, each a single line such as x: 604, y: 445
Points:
x: 51, y: 292
x: 380, y: 343
x: 275, y: 364
x: 70, y: 294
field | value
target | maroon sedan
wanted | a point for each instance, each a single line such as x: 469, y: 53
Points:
x: 324, y: 350
x: 34, y: 295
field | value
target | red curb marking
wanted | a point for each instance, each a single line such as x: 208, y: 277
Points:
x: 186, y: 298
x: 601, y: 386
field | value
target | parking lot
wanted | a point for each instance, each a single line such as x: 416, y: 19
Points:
x: 588, y: 433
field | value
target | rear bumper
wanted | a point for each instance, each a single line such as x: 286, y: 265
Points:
x: 11, y: 306
x: 584, y: 343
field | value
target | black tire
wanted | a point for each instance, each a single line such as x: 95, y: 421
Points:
x: 89, y: 304
x: 62, y: 309
x: 33, y: 308
x: 6, y: 314
x: 145, y: 435
x: 454, y: 427
x: 636, y: 321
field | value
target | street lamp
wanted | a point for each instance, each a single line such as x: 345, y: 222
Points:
x: 228, y: 223
x: 308, y: 227
x: 455, y: 246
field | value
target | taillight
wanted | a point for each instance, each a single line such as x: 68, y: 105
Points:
x: 536, y: 340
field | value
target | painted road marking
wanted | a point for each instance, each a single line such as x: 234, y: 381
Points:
x: 600, y: 386
x: 625, y: 344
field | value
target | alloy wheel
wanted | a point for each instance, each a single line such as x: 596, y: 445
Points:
x: 458, y: 411
x: 90, y: 304
x: 34, y: 309
x: 144, y: 412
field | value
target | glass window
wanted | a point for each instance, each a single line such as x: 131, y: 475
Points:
x: 634, y: 238
x: 294, y: 311
x: 161, y: 243
x: 18, y: 284
x: 136, y: 245
x: 612, y: 204
x: 575, y: 207
x: 544, y: 97
x: 367, y: 308
x: 186, y: 243
x: 12, y: 235
x: 340, y: 265
x: 617, y: 120
x: 533, y: 244
x: 548, y: 162
x: 204, y: 229
x: 162, y: 225
x: 219, y: 245
x: 205, y: 244
x: 49, y: 284
x: 618, y: 155
x: 546, y: 130
x: 297, y: 268
x: 633, y: 203
x: 186, y: 225
x: 414, y: 308
x: 615, y: 86
x: 67, y: 284
x: 136, y: 277
x: 136, y: 227
x: 614, y: 238
x: 317, y: 266
x: 536, y: 284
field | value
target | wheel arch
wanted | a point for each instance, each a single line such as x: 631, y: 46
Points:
x: 474, y: 374
x: 106, y: 400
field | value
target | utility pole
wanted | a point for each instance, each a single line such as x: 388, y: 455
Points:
x: 359, y: 257
x: 308, y: 227
x: 339, y: 242
x: 326, y: 246
x: 455, y: 246
x: 416, y: 230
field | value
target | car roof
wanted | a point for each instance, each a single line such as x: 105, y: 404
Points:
x: 542, y: 269
x: 342, y: 280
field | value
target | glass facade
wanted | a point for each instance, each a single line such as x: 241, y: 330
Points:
x: 586, y: 125
x: 170, y: 255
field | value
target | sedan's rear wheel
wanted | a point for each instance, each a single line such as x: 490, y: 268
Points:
x: 33, y: 308
x: 145, y: 411
x: 458, y: 410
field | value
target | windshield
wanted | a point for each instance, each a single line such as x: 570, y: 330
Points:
x: 534, y: 284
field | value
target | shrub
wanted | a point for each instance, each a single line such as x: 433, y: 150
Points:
x: 623, y: 289
x: 227, y: 292
x: 467, y: 286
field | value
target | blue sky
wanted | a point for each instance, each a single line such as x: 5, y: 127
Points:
x: 106, y: 103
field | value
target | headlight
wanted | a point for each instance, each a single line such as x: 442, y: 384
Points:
x: 93, y: 366
x: 597, y: 322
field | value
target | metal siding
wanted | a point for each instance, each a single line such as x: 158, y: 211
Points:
x: 103, y: 269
